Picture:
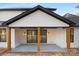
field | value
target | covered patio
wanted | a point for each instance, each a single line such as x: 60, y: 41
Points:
x: 49, y: 41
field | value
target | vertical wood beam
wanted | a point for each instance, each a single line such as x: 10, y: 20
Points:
x: 9, y: 38
x: 68, y: 36
x: 38, y: 40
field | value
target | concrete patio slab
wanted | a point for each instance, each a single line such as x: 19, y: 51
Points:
x: 52, y: 48
x: 33, y: 48
x: 25, y: 48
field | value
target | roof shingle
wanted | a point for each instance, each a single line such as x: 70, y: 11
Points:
x: 73, y: 18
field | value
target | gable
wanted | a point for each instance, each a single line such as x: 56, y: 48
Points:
x: 38, y: 19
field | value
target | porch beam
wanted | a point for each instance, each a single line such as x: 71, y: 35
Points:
x: 68, y: 37
x: 38, y: 40
x: 9, y: 38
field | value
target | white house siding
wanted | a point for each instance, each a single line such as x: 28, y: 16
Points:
x: 6, y: 15
x: 12, y: 38
x: 20, y: 37
x: 54, y: 36
x: 75, y: 44
x: 57, y: 36
x: 38, y: 19
x: 17, y: 37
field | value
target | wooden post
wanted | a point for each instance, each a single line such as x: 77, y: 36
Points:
x: 9, y: 39
x: 68, y: 37
x: 38, y: 40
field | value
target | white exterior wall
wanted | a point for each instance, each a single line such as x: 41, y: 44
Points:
x: 20, y: 36
x: 75, y: 44
x: 12, y: 38
x: 54, y: 36
x: 57, y: 36
x: 38, y: 19
x: 6, y: 15
x: 17, y: 37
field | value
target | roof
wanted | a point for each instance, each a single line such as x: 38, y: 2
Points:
x: 73, y: 18
x: 23, y: 9
x: 33, y: 10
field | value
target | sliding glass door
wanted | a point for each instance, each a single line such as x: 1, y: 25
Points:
x: 32, y: 36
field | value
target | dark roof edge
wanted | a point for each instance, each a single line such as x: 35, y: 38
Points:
x: 21, y: 9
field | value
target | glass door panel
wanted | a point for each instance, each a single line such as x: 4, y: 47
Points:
x: 43, y: 36
x: 31, y: 36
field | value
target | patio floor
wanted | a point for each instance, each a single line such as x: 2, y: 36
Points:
x: 25, y: 48
x: 33, y: 48
x: 72, y: 52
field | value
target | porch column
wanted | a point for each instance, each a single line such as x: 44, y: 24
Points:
x: 9, y: 38
x: 68, y: 36
x: 38, y: 46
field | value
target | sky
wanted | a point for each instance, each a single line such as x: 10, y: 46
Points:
x: 62, y: 8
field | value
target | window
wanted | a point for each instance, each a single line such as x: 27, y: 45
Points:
x: 72, y: 34
x: 2, y: 35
